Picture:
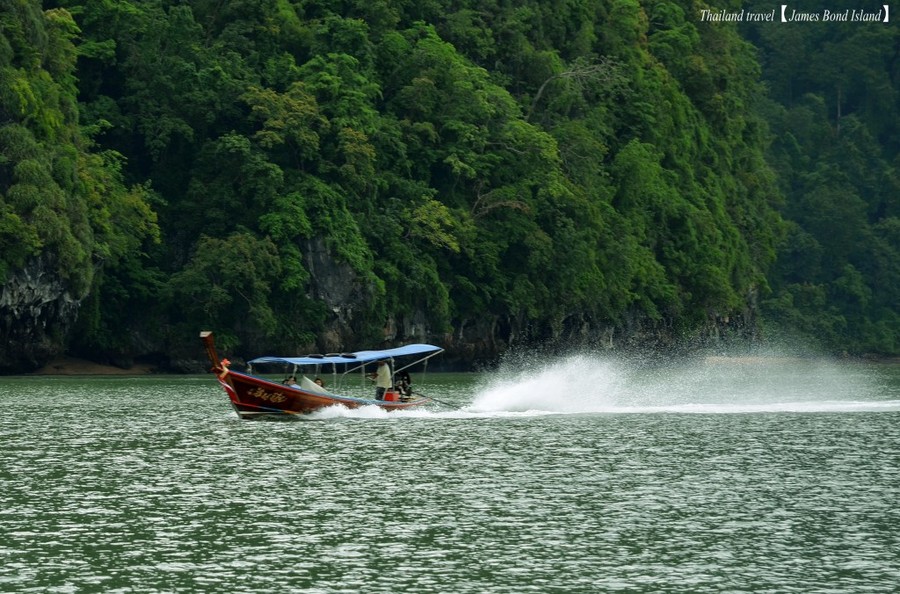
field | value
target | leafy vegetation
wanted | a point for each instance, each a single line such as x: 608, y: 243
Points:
x: 60, y: 197
x: 833, y: 110
x: 532, y: 166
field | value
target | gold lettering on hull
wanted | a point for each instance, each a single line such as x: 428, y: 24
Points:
x: 267, y: 396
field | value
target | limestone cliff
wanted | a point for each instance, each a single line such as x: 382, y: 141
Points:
x: 481, y: 341
x: 36, y: 312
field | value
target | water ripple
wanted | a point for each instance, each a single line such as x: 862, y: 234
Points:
x: 148, y: 485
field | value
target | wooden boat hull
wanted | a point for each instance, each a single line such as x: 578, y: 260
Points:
x: 254, y: 397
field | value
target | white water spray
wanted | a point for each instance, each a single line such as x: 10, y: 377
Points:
x: 592, y: 384
x: 575, y: 384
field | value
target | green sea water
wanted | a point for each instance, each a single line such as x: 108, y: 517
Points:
x: 575, y: 475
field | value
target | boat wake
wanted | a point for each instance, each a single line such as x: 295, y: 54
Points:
x: 588, y: 384
x: 716, y: 385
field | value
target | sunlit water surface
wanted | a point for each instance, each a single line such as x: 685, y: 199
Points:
x: 578, y: 475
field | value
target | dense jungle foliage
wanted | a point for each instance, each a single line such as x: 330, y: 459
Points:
x: 834, y: 112
x: 532, y: 162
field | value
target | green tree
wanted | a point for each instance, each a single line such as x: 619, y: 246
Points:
x: 226, y: 285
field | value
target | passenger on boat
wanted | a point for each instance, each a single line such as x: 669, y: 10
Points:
x: 289, y: 381
x: 404, y: 385
x: 319, y: 382
x: 382, y: 379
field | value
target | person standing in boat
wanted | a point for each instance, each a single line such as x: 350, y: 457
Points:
x: 382, y: 379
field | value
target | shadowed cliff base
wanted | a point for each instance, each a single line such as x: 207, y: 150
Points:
x: 65, y: 365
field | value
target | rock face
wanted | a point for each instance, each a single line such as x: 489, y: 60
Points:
x: 339, y: 288
x: 36, y: 312
x: 481, y: 342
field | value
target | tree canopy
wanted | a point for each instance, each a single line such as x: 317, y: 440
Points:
x: 269, y: 167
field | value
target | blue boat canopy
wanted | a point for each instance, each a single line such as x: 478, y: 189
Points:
x: 357, y: 357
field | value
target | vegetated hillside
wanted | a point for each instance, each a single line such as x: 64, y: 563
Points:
x: 65, y: 210
x: 834, y: 112
x: 328, y: 175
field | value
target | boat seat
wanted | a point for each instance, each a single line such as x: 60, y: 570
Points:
x: 311, y: 386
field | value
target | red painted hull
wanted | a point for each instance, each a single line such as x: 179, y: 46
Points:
x: 254, y: 397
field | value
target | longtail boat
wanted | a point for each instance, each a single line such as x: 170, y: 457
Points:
x: 254, y: 396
